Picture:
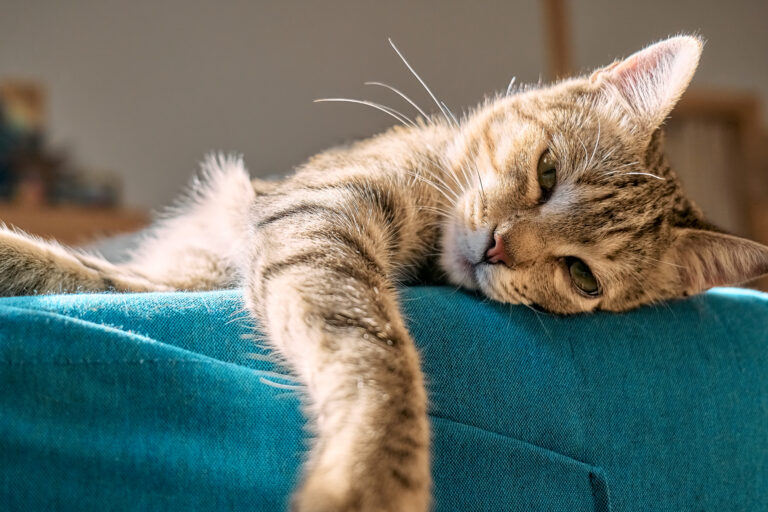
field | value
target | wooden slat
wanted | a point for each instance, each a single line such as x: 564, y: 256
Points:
x: 743, y: 111
x: 557, y: 35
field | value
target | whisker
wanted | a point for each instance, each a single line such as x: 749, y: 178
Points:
x: 635, y: 173
x: 586, y: 153
x: 438, y: 178
x: 413, y: 71
x: 455, y: 121
x: 511, y: 84
x: 453, y: 198
x: 479, y: 180
x: 447, y: 173
x: 278, y: 385
x: 594, y: 150
x: 387, y: 110
x: 438, y: 210
x: 608, y: 154
x: 402, y: 95
x: 629, y: 164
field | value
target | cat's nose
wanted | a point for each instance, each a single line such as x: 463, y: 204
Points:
x: 497, y: 253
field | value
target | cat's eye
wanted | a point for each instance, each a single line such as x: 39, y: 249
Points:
x: 547, y: 174
x: 582, y: 276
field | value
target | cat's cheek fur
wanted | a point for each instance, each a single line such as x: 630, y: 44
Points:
x: 457, y: 267
x: 492, y: 283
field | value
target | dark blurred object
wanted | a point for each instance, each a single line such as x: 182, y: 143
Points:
x: 24, y: 168
x: 7, y: 143
x: 41, y: 191
x: 31, y: 173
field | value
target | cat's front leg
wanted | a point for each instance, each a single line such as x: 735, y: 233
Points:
x: 336, y: 320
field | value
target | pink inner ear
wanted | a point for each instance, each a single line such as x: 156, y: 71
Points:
x: 641, y: 67
x: 600, y: 72
x: 650, y: 81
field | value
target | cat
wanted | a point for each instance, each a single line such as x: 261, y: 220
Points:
x: 558, y: 197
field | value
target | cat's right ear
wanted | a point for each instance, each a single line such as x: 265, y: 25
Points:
x: 647, y: 84
x: 703, y: 259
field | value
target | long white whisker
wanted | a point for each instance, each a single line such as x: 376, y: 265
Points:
x: 625, y: 165
x: 594, y: 150
x: 402, y: 95
x: 479, y: 178
x: 511, y: 84
x: 387, y: 110
x: 447, y: 187
x: 455, y: 121
x: 440, y: 211
x: 635, y: 173
x: 278, y: 385
x: 413, y: 71
x: 608, y: 154
x: 447, y: 173
x: 586, y: 153
x: 453, y: 198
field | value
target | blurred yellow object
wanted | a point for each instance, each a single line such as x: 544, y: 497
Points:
x: 24, y: 104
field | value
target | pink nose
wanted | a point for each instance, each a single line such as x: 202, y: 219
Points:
x: 497, y: 253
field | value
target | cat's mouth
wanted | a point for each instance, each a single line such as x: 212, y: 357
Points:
x: 469, y: 268
x: 463, y: 251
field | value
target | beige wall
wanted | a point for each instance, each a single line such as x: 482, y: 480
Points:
x: 146, y: 88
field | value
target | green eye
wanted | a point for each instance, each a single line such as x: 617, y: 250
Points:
x: 547, y: 173
x: 582, y: 277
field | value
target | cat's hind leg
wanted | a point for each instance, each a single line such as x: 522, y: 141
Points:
x: 201, y: 244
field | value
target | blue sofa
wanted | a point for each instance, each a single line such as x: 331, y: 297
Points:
x: 169, y: 402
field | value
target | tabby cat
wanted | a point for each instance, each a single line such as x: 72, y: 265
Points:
x: 556, y: 197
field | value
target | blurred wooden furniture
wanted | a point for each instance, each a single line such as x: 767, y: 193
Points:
x: 557, y: 38
x: 716, y: 143
x: 72, y: 225
x: 733, y: 158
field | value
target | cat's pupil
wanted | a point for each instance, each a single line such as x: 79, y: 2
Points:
x: 582, y: 276
x: 547, y: 174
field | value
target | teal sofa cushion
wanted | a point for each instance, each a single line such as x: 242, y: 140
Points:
x: 173, y: 402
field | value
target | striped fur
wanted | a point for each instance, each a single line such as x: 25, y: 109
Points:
x: 319, y: 254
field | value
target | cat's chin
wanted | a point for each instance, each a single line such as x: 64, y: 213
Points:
x: 460, y: 271
x: 458, y: 266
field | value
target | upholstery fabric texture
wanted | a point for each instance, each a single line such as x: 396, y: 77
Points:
x: 173, y: 402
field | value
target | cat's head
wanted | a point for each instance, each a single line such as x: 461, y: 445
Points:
x: 568, y: 203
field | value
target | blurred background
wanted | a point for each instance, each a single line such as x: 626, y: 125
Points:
x: 107, y: 107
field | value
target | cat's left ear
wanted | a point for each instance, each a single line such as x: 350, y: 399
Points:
x: 647, y: 84
x: 703, y: 259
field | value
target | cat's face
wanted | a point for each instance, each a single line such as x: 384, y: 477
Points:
x: 568, y: 203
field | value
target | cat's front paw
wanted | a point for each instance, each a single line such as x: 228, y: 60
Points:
x: 328, y: 491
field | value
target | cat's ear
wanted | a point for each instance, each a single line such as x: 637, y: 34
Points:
x: 703, y: 259
x: 647, y: 84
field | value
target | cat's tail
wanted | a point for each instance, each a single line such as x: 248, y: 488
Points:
x: 196, y: 246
